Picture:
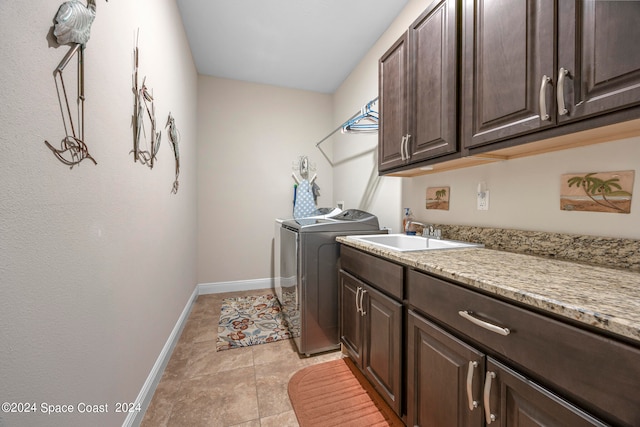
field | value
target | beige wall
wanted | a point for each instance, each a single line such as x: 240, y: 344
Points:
x: 355, y: 156
x: 97, y: 262
x: 248, y: 137
x: 525, y: 193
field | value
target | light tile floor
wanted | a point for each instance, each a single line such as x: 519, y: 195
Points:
x: 244, y: 387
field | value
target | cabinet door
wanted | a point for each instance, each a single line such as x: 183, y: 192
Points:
x: 508, y: 49
x: 438, y: 370
x: 382, y: 346
x: 434, y: 49
x: 350, y: 318
x: 598, y: 47
x: 515, y: 401
x: 393, y: 82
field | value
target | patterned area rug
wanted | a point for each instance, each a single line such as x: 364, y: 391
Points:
x: 246, y: 321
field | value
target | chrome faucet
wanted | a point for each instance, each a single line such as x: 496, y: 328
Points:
x: 437, y: 233
x: 427, y: 230
x: 430, y: 231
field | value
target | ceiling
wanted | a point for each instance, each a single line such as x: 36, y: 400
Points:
x: 303, y: 44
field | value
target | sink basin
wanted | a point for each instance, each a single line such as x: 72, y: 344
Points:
x: 405, y: 243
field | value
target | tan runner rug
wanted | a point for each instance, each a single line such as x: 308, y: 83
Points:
x: 337, y: 394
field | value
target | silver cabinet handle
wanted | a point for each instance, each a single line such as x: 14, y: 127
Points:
x: 406, y: 147
x: 489, y: 326
x: 472, y: 403
x: 362, y: 312
x: 489, y: 417
x: 404, y: 139
x: 357, y: 295
x: 544, y: 115
x: 560, y: 91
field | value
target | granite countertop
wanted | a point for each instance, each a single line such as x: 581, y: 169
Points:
x: 605, y: 298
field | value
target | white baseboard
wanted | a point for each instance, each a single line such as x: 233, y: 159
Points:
x: 238, y: 285
x: 134, y: 419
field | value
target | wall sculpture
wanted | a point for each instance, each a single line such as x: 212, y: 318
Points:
x: 143, y: 103
x: 73, y: 27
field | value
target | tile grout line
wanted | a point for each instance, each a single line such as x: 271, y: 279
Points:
x: 255, y: 381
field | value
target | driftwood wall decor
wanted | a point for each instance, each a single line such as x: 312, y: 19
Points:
x: 143, y: 103
x: 174, y: 137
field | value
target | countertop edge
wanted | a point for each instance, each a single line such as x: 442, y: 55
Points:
x: 626, y: 328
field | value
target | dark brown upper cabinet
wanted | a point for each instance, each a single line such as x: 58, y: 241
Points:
x: 393, y: 82
x: 598, y: 57
x: 433, y: 45
x: 533, y: 65
x: 418, y: 90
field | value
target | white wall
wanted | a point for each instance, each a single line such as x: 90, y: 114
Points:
x: 97, y: 262
x: 248, y: 136
x: 525, y: 193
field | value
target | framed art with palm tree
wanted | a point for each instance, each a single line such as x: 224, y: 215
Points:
x: 597, y: 191
x: 438, y: 198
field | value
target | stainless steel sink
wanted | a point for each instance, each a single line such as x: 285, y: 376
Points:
x: 405, y: 243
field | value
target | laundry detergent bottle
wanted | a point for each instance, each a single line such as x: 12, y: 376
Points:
x: 408, y: 217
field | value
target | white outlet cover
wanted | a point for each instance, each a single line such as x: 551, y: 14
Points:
x: 483, y: 201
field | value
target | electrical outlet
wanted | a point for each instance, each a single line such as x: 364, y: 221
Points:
x: 483, y: 200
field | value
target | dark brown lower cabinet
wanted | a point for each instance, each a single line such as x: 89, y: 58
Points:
x: 597, y: 374
x: 450, y: 383
x: 511, y: 399
x: 437, y: 370
x: 443, y: 354
x: 351, y: 332
x: 371, y: 331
